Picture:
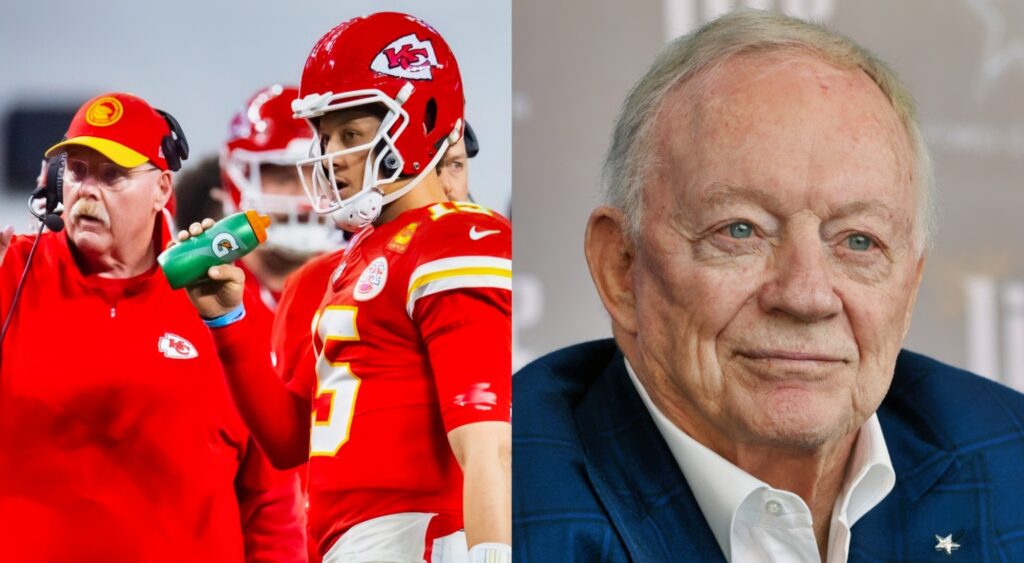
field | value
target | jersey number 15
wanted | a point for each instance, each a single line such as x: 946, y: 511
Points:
x: 337, y: 386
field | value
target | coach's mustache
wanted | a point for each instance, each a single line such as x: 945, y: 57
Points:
x: 91, y: 209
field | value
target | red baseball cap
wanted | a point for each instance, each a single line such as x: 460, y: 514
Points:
x: 121, y: 127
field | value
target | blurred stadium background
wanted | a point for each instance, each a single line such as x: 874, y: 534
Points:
x: 202, y: 60
x: 574, y: 60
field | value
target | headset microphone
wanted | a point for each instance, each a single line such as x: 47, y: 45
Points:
x: 52, y: 189
x: 53, y: 222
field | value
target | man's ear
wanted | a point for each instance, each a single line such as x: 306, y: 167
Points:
x: 163, y: 190
x: 610, y: 256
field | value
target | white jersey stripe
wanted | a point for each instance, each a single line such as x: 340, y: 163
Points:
x: 457, y: 263
x: 499, y: 281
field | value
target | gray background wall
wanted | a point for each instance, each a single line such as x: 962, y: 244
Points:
x: 574, y: 60
x: 202, y: 59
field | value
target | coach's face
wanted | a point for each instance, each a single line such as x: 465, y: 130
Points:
x: 110, y: 209
x: 776, y: 266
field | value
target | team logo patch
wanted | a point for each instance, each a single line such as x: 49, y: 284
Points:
x: 406, y: 57
x: 372, y: 280
x: 401, y: 240
x: 104, y: 111
x: 223, y: 244
x: 176, y: 347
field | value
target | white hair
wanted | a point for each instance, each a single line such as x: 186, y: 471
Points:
x: 630, y: 155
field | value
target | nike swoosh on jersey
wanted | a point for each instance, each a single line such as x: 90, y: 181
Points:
x: 477, y: 235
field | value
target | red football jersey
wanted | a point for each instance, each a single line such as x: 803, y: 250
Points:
x: 118, y: 438
x: 411, y: 340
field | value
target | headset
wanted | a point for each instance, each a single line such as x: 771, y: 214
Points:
x: 174, y: 144
x: 472, y: 145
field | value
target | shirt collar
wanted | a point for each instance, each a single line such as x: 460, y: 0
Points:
x: 724, y: 486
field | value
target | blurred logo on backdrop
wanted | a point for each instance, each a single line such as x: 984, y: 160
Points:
x: 995, y: 328
x: 1003, y: 43
x: 683, y: 16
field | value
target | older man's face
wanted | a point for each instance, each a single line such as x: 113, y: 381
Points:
x: 776, y: 266
x: 107, y: 206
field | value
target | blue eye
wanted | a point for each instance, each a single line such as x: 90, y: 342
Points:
x: 859, y: 242
x: 741, y: 229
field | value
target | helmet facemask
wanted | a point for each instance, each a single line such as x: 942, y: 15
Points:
x: 383, y: 163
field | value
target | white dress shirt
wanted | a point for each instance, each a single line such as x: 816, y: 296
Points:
x: 754, y: 522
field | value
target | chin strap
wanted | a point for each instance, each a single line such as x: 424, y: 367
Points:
x: 361, y: 210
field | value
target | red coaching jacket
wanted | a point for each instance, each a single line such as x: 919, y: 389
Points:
x: 118, y: 438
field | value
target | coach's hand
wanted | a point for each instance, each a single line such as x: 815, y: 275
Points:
x: 220, y: 294
x: 5, y: 241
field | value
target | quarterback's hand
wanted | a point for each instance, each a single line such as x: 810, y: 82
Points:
x: 5, y: 241
x: 220, y: 294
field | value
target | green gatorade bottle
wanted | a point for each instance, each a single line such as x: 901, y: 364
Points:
x: 226, y: 241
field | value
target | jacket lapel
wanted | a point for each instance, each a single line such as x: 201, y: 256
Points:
x: 937, y: 492
x: 635, y: 476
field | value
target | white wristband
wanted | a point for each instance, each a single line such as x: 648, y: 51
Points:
x: 490, y: 553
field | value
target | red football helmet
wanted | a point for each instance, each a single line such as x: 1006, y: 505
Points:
x: 265, y: 132
x: 403, y: 64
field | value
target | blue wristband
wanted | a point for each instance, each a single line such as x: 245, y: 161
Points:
x: 232, y: 316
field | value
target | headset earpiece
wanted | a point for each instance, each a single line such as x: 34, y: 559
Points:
x: 55, y: 181
x: 170, y: 153
x: 174, y: 145
x: 472, y: 145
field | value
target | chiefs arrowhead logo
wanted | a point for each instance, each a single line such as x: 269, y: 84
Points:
x: 406, y: 57
x: 175, y: 347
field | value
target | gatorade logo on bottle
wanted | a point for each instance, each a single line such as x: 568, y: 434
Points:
x: 223, y: 244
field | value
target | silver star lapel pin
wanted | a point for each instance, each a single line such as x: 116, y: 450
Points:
x: 946, y: 544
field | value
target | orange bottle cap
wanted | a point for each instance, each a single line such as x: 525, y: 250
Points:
x: 259, y: 224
